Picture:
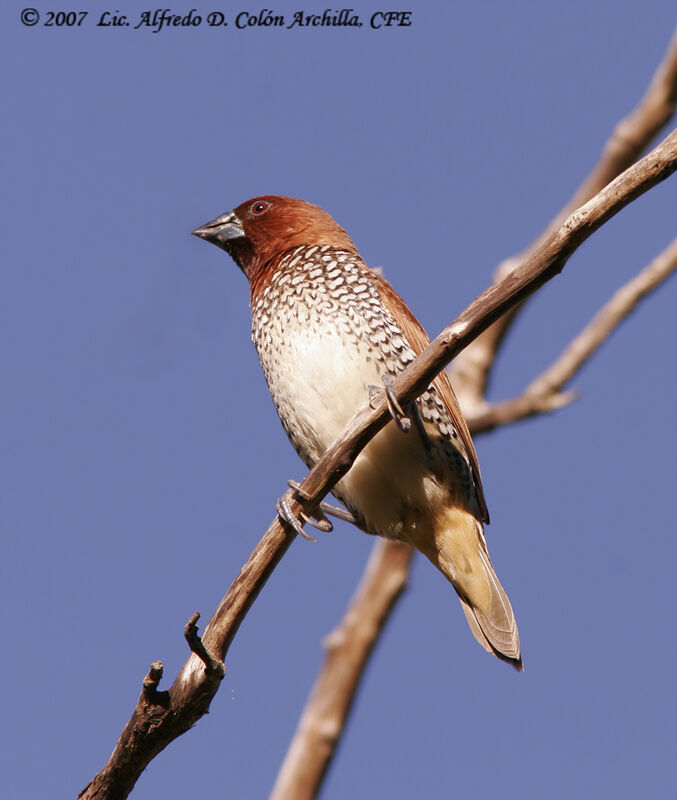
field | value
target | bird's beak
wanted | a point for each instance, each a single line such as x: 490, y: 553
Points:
x: 222, y: 230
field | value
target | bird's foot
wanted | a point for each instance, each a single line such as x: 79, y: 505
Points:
x: 324, y: 508
x: 396, y: 412
x: 286, y: 515
x: 317, y: 519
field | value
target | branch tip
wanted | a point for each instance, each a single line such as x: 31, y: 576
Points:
x: 561, y: 399
x: 152, y: 680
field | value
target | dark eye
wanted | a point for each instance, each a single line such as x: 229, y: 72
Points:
x: 259, y: 207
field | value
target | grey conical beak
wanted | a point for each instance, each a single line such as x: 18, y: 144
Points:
x: 222, y: 230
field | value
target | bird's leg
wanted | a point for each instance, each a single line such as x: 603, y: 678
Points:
x: 401, y: 419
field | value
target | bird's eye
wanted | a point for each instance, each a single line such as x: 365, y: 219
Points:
x: 260, y: 207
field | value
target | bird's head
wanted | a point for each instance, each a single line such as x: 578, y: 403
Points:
x: 263, y: 228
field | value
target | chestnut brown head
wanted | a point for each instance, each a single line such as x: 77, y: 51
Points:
x: 263, y: 228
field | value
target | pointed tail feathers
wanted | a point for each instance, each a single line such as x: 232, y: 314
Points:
x: 494, y: 626
x: 460, y: 552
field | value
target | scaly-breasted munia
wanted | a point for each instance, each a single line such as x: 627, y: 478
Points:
x: 327, y: 329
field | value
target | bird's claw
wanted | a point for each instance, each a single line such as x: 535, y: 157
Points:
x: 396, y: 412
x: 317, y: 520
x: 339, y: 513
x: 420, y: 427
x: 324, y: 508
x: 298, y: 489
x: 286, y: 515
x: 320, y: 523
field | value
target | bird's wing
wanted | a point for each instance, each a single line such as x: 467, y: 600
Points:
x: 419, y: 340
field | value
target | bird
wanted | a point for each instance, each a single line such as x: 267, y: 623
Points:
x: 330, y: 332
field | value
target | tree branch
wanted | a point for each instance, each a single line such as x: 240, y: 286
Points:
x: 348, y: 648
x: 471, y: 371
x: 157, y: 722
x: 544, y: 393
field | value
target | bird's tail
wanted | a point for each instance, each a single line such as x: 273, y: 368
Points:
x: 460, y: 553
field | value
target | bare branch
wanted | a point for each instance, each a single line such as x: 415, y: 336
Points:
x: 605, y: 321
x: 544, y: 393
x: 632, y: 134
x: 471, y: 371
x: 153, y: 726
x: 348, y: 648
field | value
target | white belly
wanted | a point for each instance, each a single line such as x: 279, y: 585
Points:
x: 318, y: 381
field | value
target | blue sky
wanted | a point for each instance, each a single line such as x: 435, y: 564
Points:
x: 141, y: 454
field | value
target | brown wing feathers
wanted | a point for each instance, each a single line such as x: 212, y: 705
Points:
x: 419, y: 340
